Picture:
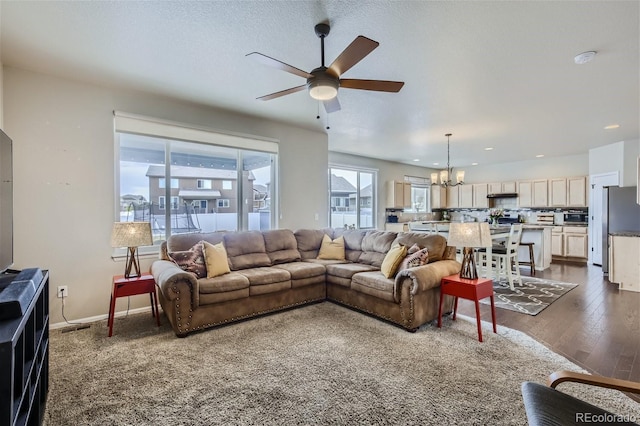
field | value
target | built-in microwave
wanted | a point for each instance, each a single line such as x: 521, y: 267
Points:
x: 574, y: 217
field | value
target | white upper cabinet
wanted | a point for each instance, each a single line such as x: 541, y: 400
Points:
x: 525, y: 193
x: 540, y: 197
x: 453, y: 201
x: 438, y: 197
x: 480, y: 191
x: 558, y: 192
x: 577, y: 191
x: 398, y: 194
x: 465, y: 196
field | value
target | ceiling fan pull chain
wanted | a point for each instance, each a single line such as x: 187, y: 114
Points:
x: 318, y: 115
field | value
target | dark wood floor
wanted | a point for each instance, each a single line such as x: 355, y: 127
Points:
x: 595, y: 325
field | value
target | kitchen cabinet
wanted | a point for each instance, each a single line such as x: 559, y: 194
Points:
x: 438, y: 197
x: 502, y: 187
x: 570, y: 242
x: 525, y: 193
x: 453, y: 193
x: 540, y: 193
x: 480, y: 200
x: 558, y: 192
x: 577, y: 191
x: 532, y: 193
x: 465, y: 196
x: 557, y: 246
x: 624, y: 261
x: 398, y: 194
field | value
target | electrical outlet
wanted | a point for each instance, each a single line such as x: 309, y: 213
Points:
x: 63, y: 291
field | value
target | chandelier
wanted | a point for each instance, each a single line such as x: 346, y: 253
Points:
x: 445, y: 175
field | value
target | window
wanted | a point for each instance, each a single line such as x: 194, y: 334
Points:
x: 197, y: 163
x: 352, y: 197
x: 420, y: 194
x: 162, y: 182
x: 204, y: 184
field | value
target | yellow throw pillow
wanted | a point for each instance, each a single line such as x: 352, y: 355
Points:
x: 331, y: 249
x: 215, y: 257
x: 392, y: 260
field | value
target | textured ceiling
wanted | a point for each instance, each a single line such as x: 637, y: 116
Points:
x: 495, y: 74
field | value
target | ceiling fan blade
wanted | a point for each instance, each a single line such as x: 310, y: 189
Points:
x: 282, y: 93
x: 331, y: 105
x: 269, y: 61
x: 354, y: 53
x: 376, y: 85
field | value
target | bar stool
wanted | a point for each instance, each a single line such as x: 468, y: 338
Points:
x: 531, y: 263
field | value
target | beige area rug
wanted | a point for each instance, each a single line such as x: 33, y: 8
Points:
x: 320, y: 364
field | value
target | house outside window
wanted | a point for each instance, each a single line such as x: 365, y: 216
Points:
x: 201, y: 172
x: 352, y: 197
x: 420, y: 194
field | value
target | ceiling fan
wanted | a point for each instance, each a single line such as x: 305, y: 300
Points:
x: 323, y: 82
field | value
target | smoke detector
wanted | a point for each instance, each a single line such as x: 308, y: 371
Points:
x: 585, y: 57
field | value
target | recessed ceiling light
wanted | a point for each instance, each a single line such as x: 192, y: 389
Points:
x: 488, y: 148
x: 584, y: 57
x: 474, y: 164
x: 539, y: 155
x: 416, y: 159
x: 435, y: 164
x: 611, y: 126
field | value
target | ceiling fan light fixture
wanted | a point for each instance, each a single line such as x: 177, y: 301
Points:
x: 323, y: 89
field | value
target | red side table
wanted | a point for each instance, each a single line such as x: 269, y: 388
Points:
x: 467, y: 289
x: 130, y: 287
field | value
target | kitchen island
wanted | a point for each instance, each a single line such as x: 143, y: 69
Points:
x: 539, y: 235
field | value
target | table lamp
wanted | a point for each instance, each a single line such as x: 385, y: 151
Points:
x: 131, y: 235
x: 469, y: 235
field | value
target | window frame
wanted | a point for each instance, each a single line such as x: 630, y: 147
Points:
x: 346, y: 201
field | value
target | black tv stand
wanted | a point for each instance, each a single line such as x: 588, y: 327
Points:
x: 24, y: 354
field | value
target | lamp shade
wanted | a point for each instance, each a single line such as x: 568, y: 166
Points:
x: 131, y: 234
x: 469, y: 234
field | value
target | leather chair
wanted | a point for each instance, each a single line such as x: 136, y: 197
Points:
x: 547, y: 406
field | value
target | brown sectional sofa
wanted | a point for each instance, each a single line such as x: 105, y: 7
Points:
x: 278, y: 269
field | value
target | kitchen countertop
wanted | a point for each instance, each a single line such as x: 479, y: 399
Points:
x: 625, y: 234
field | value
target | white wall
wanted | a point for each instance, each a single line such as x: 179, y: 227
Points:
x: 616, y: 157
x: 64, y: 178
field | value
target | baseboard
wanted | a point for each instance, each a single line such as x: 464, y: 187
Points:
x: 99, y: 318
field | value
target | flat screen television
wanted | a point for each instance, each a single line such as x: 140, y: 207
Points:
x: 6, y: 202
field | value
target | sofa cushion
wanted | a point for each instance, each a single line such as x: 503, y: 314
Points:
x: 300, y: 270
x: 352, y: 242
x: 191, y: 260
x: 348, y: 270
x: 281, y: 246
x: 309, y: 241
x: 223, y: 283
x: 182, y: 242
x: 331, y: 249
x: 436, y: 244
x: 265, y: 275
x: 375, y: 246
x: 392, y: 260
x: 374, y: 284
x: 215, y: 258
x: 246, y: 250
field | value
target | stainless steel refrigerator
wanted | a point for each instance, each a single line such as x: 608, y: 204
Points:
x: 620, y: 212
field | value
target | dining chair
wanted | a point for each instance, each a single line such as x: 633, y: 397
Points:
x: 504, y: 258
